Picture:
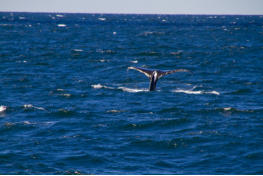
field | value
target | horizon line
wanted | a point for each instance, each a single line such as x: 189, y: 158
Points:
x: 130, y: 13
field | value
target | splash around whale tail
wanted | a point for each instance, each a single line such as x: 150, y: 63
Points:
x: 154, y: 75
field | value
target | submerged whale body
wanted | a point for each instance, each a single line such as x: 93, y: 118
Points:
x: 154, y: 75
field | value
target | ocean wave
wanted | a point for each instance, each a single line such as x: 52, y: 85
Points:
x: 229, y: 110
x: 99, y: 86
x: 164, y: 123
x: 102, y: 19
x: 132, y: 90
x: 30, y: 106
x: 134, y: 61
x: 148, y: 53
x: 60, y: 16
x: 77, y: 50
x: 3, y: 108
x: 125, y: 89
x: 196, y: 92
x: 61, y: 25
x: 148, y: 33
x: 114, y: 111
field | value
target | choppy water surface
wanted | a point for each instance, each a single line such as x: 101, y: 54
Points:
x: 69, y: 106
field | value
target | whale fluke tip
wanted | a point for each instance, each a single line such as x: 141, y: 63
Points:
x: 154, y: 75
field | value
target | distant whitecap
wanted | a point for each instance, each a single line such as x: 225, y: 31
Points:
x: 60, y: 16
x: 102, y: 19
x: 66, y: 95
x: 114, y: 111
x: 60, y: 90
x: 30, y: 106
x: 27, y: 123
x: 61, y: 25
x: 196, y: 92
x: 2, y: 108
x: 214, y: 92
x: 134, y: 61
x: 132, y: 90
x: 97, y: 86
x: 227, y: 109
x: 78, y: 50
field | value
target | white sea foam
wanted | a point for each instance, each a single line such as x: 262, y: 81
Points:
x: 196, y: 92
x: 114, y: 111
x: 125, y: 89
x: 60, y: 16
x: 228, y: 108
x: 78, y: 50
x: 66, y: 95
x: 102, y: 19
x: 99, y: 86
x: 214, y: 92
x: 28, y: 123
x: 29, y: 106
x: 134, y: 61
x: 2, y: 108
x: 60, y: 90
x: 61, y: 25
x: 131, y: 90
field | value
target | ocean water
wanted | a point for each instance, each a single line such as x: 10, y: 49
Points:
x: 68, y: 104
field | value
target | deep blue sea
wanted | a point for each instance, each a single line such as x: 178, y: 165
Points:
x: 68, y: 104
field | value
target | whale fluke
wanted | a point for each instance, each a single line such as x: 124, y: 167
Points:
x: 154, y: 75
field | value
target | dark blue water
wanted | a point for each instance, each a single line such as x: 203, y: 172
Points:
x: 68, y: 105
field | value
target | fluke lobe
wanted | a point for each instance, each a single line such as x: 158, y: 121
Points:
x: 154, y: 75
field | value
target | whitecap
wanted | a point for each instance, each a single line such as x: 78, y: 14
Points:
x: 22, y: 18
x: 227, y: 109
x: 78, y: 50
x: 196, y: 92
x: 60, y: 90
x: 102, y: 19
x: 2, y: 108
x: 131, y: 90
x: 114, y: 33
x: 40, y: 108
x: 134, y: 61
x: 61, y: 25
x: 29, y: 106
x: 60, y: 16
x: 114, y: 111
x: 125, y: 89
x: 214, y: 92
x: 188, y: 91
x: 66, y: 95
x: 99, y: 86
x: 28, y: 123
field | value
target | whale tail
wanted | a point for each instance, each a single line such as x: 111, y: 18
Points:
x: 154, y: 75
